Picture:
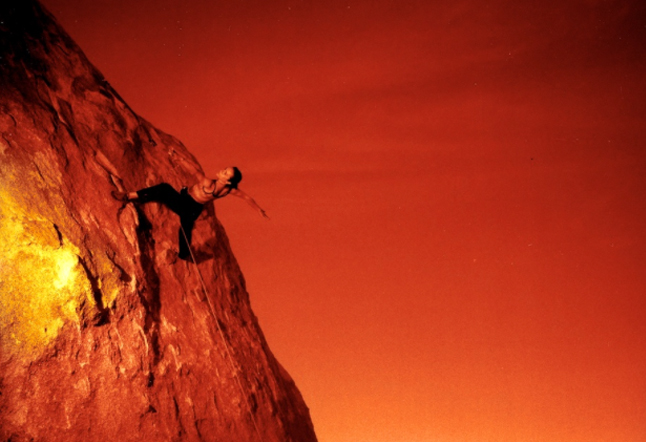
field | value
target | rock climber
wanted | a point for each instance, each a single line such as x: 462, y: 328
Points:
x: 189, y: 202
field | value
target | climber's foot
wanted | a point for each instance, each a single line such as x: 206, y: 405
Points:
x: 120, y: 196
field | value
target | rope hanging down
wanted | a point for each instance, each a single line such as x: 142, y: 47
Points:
x: 226, y: 345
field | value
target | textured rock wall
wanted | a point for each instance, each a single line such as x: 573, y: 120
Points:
x: 104, y: 334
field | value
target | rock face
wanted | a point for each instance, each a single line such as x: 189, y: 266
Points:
x: 104, y: 334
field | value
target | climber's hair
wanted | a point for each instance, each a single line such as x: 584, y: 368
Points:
x: 236, y: 178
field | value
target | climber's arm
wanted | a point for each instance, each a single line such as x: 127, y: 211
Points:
x: 240, y: 194
x: 183, y: 162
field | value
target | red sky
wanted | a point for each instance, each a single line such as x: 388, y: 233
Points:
x: 457, y: 246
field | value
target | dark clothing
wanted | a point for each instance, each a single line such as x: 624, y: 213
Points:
x: 179, y: 202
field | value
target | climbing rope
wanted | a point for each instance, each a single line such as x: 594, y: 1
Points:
x: 226, y: 345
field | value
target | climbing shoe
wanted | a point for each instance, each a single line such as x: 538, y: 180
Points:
x: 120, y: 196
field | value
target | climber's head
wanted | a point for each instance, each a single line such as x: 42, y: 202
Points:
x: 236, y: 178
x: 230, y: 175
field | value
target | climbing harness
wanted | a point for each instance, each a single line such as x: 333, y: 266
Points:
x: 226, y: 345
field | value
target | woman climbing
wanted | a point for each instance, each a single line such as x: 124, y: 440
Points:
x: 190, y: 201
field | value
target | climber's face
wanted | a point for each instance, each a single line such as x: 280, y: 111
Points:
x: 225, y: 175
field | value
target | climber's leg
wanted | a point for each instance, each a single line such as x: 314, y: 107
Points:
x: 161, y: 193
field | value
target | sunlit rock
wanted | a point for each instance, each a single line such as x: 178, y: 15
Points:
x: 104, y: 333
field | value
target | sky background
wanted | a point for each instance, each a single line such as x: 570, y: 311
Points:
x: 457, y: 249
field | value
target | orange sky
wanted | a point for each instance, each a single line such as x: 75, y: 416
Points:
x: 457, y: 246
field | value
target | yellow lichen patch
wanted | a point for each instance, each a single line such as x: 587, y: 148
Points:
x: 41, y: 280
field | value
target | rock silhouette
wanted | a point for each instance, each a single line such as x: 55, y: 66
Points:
x: 104, y: 334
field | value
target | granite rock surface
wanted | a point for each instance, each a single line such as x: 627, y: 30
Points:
x: 104, y: 334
